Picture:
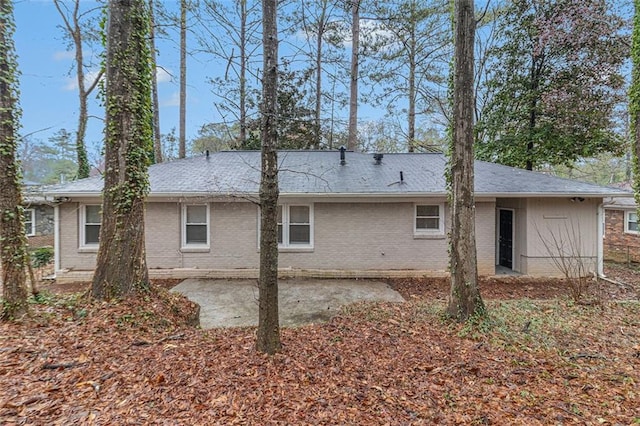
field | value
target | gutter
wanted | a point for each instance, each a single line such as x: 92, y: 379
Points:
x: 153, y: 195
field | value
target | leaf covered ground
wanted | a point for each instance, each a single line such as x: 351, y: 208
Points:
x: 139, y: 362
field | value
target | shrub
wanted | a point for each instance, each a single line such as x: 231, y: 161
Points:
x: 41, y: 256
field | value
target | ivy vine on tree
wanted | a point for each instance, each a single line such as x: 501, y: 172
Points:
x: 121, y: 265
x: 12, y: 239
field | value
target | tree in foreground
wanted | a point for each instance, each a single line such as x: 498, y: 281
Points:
x: 12, y: 240
x: 121, y: 265
x: 268, y: 335
x: 465, y: 300
x: 634, y: 100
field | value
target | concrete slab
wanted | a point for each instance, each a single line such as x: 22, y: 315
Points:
x: 234, y: 303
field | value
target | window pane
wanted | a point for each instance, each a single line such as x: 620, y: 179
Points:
x: 633, y: 226
x: 279, y: 214
x: 196, y: 234
x: 93, y: 214
x: 91, y: 234
x: 427, y: 223
x: 428, y: 210
x: 299, y: 234
x: 633, y: 217
x: 197, y: 214
x: 28, y: 228
x: 299, y: 214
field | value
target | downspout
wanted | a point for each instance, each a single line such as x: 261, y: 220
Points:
x: 600, y: 240
x: 56, y: 239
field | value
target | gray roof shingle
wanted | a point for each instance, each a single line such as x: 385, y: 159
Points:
x: 319, y: 173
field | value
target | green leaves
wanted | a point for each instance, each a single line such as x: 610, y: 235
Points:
x: 554, y: 84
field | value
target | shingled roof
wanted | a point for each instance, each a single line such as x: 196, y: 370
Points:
x: 320, y: 173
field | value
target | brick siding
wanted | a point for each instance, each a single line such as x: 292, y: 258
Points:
x: 619, y: 245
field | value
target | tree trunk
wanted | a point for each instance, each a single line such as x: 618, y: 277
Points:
x: 319, y: 42
x: 74, y: 29
x: 352, y: 142
x: 634, y: 101
x: 12, y: 239
x: 465, y: 300
x: 243, y: 73
x: 182, y: 150
x: 412, y: 84
x: 157, y: 136
x: 121, y: 265
x: 532, y: 114
x: 268, y: 335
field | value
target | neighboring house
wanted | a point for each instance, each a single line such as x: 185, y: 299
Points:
x: 38, y: 216
x: 365, y: 216
x: 621, y: 233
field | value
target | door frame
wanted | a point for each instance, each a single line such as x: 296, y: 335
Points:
x: 513, y: 235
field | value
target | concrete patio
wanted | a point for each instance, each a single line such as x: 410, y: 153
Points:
x: 234, y: 303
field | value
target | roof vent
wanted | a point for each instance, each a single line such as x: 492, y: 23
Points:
x: 342, y: 156
x: 378, y: 158
x: 207, y: 154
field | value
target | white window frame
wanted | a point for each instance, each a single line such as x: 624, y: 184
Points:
x: 429, y: 232
x: 31, y: 213
x: 285, y: 246
x: 195, y: 246
x: 627, y: 213
x: 83, y: 224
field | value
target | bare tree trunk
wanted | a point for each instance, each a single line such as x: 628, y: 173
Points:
x: 157, y: 136
x: 352, y: 142
x: 322, y: 23
x: 121, y: 264
x: 12, y: 239
x: 182, y: 149
x: 74, y: 29
x: 268, y: 335
x: 412, y: 81
x: 243, y: 72
x: 465, y: 300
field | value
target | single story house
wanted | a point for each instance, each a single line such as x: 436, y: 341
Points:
x: 341, y: 214
x: 621, y: 231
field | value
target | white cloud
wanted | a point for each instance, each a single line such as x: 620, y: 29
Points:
x: 61, y: 55
x: 172, y: 101
x: 89, y: 78
x: 163, y: 75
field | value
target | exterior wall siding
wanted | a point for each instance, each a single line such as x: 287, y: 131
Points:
x: 619, y: 246
x: 347, y: 236
x: 43, y: 225
x: 560, y: 225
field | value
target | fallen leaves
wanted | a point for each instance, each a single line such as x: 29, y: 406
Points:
x: 137, y: 362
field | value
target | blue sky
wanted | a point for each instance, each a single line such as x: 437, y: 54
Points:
x: 48, y: 93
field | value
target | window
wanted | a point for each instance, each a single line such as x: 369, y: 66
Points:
x: 90, y: 229
x: 29, y: 222
x: 631, y: 222
x: 294, y: 226
x: 195, y: 228
x: 429, y: 219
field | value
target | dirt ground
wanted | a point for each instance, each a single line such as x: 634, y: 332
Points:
x: 623, y: 283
